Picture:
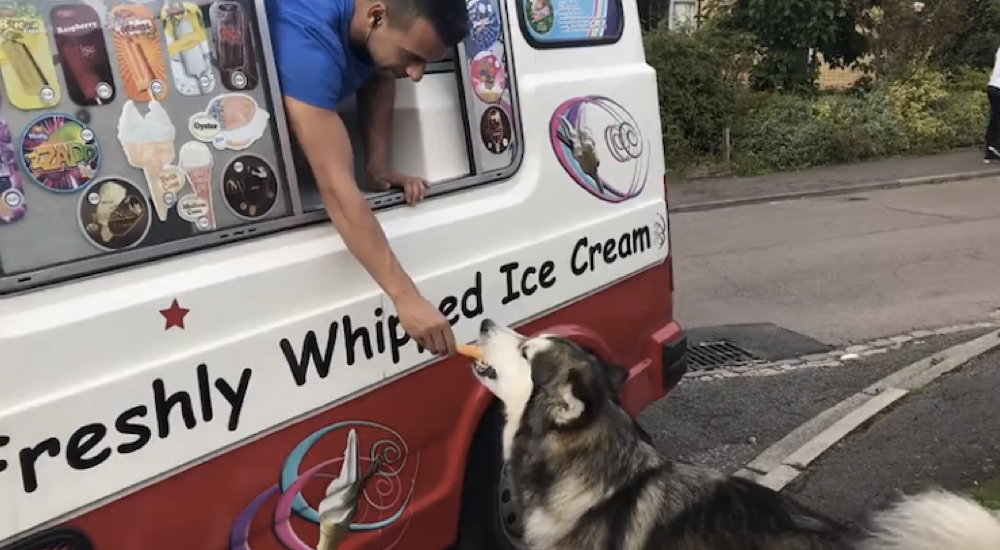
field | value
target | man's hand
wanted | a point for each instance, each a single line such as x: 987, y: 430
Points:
x: 426, y: 324
x: 414, y: 188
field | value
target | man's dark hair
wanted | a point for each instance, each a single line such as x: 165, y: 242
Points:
x: 449, y: 18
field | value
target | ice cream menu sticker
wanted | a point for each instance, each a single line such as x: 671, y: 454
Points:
x: 234, y: 45
x: 140, y: 55
x: 114, y: 214
x: 231, y: 121
x: 188, y: 49
x: 148, y: 141
x: 83, y: 54
x: 12, y: 205
x: 26, y: 65
x: 60, y: 153
x: 195, y: 159
x: 559, y: 23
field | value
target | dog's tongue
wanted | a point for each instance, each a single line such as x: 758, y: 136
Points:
x: 471, y: 351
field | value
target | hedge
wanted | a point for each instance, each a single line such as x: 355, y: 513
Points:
x: 929, y: 112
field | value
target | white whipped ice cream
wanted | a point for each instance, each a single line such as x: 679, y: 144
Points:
x: 153, y: 127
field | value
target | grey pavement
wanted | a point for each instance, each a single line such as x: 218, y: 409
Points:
x: 947, y: 435
x: 844, y: 269
x: 687, y: 194
x: 726, y: 423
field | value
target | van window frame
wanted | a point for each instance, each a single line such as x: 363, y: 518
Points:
x: 38, y: 279
x: 568, y: 44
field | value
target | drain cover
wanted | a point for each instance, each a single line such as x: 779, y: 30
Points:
x: 712, y: 355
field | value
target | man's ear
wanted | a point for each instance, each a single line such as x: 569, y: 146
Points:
x: 616, y: 375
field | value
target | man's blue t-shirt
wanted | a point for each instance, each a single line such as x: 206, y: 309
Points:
x: 312, y: 50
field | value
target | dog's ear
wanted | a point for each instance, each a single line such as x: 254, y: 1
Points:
x: 616, y: 375
x: 566, y: 392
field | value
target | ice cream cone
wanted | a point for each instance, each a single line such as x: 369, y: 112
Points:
x: 148, y: 142
x: 196, y: 160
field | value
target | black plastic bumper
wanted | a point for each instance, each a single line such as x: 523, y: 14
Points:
x: 675, y: 362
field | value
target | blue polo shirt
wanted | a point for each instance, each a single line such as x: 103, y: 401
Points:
x: 312, y: 50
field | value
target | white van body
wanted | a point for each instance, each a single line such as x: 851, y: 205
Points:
x: 120, y: 382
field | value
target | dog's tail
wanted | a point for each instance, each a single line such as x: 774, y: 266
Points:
x: 935, y: 520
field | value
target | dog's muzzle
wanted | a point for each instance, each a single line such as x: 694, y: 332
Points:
x: 483, y: 370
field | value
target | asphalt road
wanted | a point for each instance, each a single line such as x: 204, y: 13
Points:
x: 726, y: 423
x: 844, y: 269
x: 947, y: 435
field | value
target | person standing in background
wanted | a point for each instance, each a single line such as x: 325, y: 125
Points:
x: 993, y: 126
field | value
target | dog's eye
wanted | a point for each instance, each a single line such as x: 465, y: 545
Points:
x: 524, y: 353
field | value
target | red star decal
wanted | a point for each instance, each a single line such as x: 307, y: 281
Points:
x: 174, y: 315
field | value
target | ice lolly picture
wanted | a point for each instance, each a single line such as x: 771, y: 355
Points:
x: 187, y: 48
x: 234, y: 46
x: 195, y: 158
x: 148, y: 141
x: 139, y: 53
x: 26, y: 66
x: 12, y: 204
x: 83, y: 54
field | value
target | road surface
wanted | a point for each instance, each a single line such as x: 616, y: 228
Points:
x: 844, y: 269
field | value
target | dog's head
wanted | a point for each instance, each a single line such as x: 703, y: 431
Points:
x: 565, y: 384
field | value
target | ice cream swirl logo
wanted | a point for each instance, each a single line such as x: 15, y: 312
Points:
x: 372, y: 492
x: 586, y: 130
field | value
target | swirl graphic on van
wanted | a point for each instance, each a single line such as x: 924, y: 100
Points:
x: 380, y: 497
x: 586, y: 130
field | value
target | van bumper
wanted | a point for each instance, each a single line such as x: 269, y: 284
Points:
x: 665, y: 360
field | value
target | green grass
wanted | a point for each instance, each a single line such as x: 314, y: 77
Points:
x: 988, y: 494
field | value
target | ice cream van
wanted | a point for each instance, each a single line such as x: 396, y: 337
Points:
x: 191, y: 359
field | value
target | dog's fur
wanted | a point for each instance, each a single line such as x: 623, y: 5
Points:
x: 586, y: 480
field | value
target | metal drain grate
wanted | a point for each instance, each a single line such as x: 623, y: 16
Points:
x: 712, y: 355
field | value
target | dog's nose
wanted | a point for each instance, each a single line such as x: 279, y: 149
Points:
x: 487, y: 326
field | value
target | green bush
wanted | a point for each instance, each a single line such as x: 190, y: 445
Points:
x: 928, y: 112
x: 697, y: 102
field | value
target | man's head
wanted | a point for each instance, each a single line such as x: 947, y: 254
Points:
x: 402, y: 36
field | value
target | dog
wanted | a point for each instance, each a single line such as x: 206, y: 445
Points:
x: 584, y: 479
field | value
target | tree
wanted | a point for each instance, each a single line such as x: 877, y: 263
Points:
x: 791, y: 32
x: 974, y: 43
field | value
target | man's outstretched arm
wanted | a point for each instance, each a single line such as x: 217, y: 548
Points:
x: 327, y: 146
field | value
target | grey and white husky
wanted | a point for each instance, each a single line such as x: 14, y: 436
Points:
x: 585, y: 480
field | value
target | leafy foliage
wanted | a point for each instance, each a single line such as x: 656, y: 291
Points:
x: 790, y: 32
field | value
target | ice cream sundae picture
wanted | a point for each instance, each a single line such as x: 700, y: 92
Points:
x: 231, y: 121
x: 114, y: 214
x: 187, y: 48
x: 148, y: 142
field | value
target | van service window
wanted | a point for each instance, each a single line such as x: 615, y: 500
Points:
x: 172, y: 138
